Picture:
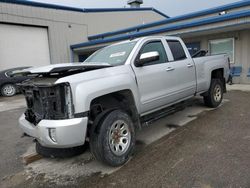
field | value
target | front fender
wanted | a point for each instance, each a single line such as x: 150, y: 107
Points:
x: 84, y: 93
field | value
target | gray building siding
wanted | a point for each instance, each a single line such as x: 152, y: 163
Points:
x: 69, y: 27
x: 114, y: 20
x: 61, y: 36
x: 241, y: 49
x: 201, y: 27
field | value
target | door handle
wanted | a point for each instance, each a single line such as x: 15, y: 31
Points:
x: 190, y: 65
x: 170, y: 69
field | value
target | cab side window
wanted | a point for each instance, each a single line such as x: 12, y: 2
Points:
x: 177, y: 50
x: 158, y: 47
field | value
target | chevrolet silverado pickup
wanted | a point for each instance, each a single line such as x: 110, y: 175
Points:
x: 119, y: 88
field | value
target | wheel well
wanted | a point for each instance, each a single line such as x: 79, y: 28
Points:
x: 123, y: 100
x: 219, y: 74
x: 6, y: 83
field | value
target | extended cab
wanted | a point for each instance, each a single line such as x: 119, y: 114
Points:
x: 117, y: 89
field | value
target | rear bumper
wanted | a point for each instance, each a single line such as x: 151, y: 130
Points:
x: 66, y: 133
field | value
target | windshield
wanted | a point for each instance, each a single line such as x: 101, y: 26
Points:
x: 114, y: 55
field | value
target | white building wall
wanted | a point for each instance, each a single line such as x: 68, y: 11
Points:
x: 60, y: 35
x: 23, y: 46
x: 241, y: 49
x: 68, y: 27
x: 245, y: 55
x: 121, y: 20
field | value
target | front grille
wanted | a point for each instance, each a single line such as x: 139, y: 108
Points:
x: 47, y: 102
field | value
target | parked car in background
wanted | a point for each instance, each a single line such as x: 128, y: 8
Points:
x: 8, y: 81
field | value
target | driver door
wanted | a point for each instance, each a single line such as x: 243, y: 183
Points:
x: 153, y: 77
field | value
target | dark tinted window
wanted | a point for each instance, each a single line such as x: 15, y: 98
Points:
x: 155, y: 46
x: 193, y: 47
x: 12, y: 72
x: 176, y: 49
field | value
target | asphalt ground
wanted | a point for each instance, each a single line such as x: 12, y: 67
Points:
x: 12, y: 146
x: 211, y: 151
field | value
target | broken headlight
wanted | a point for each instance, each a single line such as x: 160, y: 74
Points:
x: 53, y: 102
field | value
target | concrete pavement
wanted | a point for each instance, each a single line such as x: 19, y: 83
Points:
x: 238, y: 87
x: 211, y: 151
x: 177, y: 149
x: 11, y: 103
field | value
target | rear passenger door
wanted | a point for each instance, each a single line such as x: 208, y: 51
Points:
x: 183, y: 70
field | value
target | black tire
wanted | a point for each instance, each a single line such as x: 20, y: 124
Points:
x: 94, y: 131
x: 60, y: 152
x: 8, y: 90
x: 100, y: 145
x: 215, y: 94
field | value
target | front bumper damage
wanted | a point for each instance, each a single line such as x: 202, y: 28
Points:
x: 52, y: 102
x: 50, y: 117
x: 66, y: 133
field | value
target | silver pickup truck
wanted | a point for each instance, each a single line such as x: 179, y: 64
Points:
x: 105, y: 99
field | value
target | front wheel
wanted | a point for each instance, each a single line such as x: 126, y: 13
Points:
x: 215, y: 94
x: 112, y: 141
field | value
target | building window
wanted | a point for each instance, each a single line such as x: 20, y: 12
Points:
x: 222, y: 46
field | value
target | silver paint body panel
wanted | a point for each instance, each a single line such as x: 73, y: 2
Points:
x: 153, y: 87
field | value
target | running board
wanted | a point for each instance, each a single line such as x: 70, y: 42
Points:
x: 151, y: 118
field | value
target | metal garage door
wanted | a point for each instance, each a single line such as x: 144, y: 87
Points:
x: 23, y: 46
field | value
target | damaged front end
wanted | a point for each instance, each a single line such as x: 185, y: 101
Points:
x: 47, y: 101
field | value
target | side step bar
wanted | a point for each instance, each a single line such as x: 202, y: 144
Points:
x: 149, y: 119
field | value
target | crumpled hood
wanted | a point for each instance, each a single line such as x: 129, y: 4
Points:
x: 64, y: 68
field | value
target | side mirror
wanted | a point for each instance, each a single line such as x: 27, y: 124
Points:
x: 147, y: 58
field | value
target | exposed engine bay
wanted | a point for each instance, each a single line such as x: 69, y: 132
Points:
x: 47, y: 100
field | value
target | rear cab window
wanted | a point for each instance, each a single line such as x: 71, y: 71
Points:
x: 177, y: 50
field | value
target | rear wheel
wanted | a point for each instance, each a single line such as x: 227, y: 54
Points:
x: 8, y: 90
x: 112, y: 141
x: 215, y: 94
